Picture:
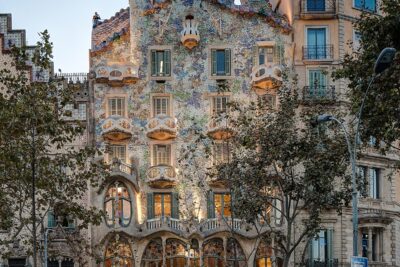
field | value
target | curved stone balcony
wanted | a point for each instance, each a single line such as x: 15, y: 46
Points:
x: 190, y: 36
x: 161, y: 127
x: 219, y: 129
x: 119, y: 168
x: 116, y: 128
x: 117, y: 75
x: 266, y: 78
x: 161, y: 176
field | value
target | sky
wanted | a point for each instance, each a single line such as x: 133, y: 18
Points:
x: 69, y: 23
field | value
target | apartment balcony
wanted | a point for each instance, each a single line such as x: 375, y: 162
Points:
x: 161, y: 176
x: 224, y: 224
x: 318, y: 53
x: 190, y: 36
x: 163, y: 224
x: 219, y: 129
x: 319, y: 93
x: 322, y: 263
x: 116, y: 128
x: 317, y: 9
x: 266, y: 78
x: 161, y: 127
x: 117, y: 75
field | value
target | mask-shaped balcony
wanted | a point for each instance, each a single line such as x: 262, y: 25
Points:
x: 219, y: 129
x: 161, y: 176
x: 116, y: 128
x: 190, y: 36
x: 117, y: 75
x: 266, y: 78
x: 161, y: 127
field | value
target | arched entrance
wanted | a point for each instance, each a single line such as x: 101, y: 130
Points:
x: 175, y: 253
x: 234, y: 254
x: 118, y: 253
x: 213, y: 253
x: 265, y: 257
x: 153, y: 255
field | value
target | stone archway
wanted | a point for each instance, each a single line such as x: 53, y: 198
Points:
x: 265, y: 256
x: 175, y: 251
x: 213, y: 253
x: 234, y: 254
x: 118, y: 253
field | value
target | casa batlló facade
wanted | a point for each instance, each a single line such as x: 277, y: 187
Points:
x: 159, y: 67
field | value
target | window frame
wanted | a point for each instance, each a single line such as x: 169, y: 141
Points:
x: 117, y: 96
x: 227, y: 76
x: 150, y: 60
x: 153, y: 154
x: 110, y: 158
x: 363, y: 7
x: 169, y: 107
x: 117, y: 184
x: 327, y: 42
x: 223, y: 147
x: 223, y: 204
x: 276, y: 58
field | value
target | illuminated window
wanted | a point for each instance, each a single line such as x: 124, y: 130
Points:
x: 162, y: 205
x: 117, y: 205
x: 264, y: 257
x: 118, y: 254
x: 219, y: 204
x: 116, y: 106
x: 160, y: 63
x: 213, y: 253
x: 161, y: 155
x: 153, y: 255
x: 175, y: 251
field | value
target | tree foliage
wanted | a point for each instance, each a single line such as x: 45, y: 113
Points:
x: 37, y: 143
x: 381, y: 114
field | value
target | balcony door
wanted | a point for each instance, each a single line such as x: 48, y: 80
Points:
x: 316, y: 43
x: 315, y: 5
x: 317, y: 83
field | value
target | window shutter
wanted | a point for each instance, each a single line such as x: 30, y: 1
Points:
x: 310, y: 251
x: 210, y: 205
x: 227, y: 62
x: 329, y: 240
x: 175, y: 206
x: 378, y: 180
x: 153, y: 63
x: 150, y: 206
x: 51, y: 222
x: 214, y: 62
x: 167, y: 62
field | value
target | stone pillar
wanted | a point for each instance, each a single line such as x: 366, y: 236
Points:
x: 164, y: 243
x: 370, y: 243
x: 225, y: 244
x: 201, y: 252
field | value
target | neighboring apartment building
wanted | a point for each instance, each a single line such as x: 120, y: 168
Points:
x: 159, y: 66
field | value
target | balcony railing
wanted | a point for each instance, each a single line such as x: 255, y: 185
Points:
x: 78, y: 77
x: 161, y: 222
x: 312, y: 9
x: 319, y: 93
x: 161, y: 176
x: 118, y: 166
x: 266, y: 77
x: 161, y: 127
x: 116, y: 128
x: 318, y: 52
x: 218, y: 223
x: 323, y: 263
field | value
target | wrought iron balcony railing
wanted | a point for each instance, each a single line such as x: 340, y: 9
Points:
x: 319, y: 92
x: 311, y: 9
x: 318, y: 52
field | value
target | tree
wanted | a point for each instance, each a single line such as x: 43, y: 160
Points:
x: 381, y: 113
x: 40, y: 168
x: 282, y: 173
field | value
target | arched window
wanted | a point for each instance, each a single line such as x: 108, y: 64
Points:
x: 175, y: 253
x: 265, y: 257
x: 118, y: 254
x: 118, y: 205
x: 153, y: 255
x: 213, y: 255
x: 235, y: 254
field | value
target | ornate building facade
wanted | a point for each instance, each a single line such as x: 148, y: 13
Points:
x: 159, y: 67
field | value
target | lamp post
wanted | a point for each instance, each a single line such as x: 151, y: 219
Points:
x: 383, y: 62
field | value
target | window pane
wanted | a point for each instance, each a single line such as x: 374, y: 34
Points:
x: 118, y: 152
x: 167, y: 205
x: 218, y: 204
x: 161, y: 106
x: 227, y: 205
x: 162, y: 154
x: 160, y: 63
x: 157, y: 205
x: 116, y: 106
x: 126, y: 210
x: 220, y: 62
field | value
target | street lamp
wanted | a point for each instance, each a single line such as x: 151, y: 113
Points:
x: 383, y: 62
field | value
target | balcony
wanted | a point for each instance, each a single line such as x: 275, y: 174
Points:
x: 116, y: 128
x: 319, y: 53
x: 317, y: 9
x: 323, y: 263
x: 161, y: 176
x: 161, y: 127
x: 266, y: 78
x: 190, y: 36
x: 163, y: 224
x: 117, y: 75
x: 219, y: 129
x: 319, y: 93
x: 224, y: 224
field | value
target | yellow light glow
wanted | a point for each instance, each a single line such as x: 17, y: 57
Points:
x: 139, y: 208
